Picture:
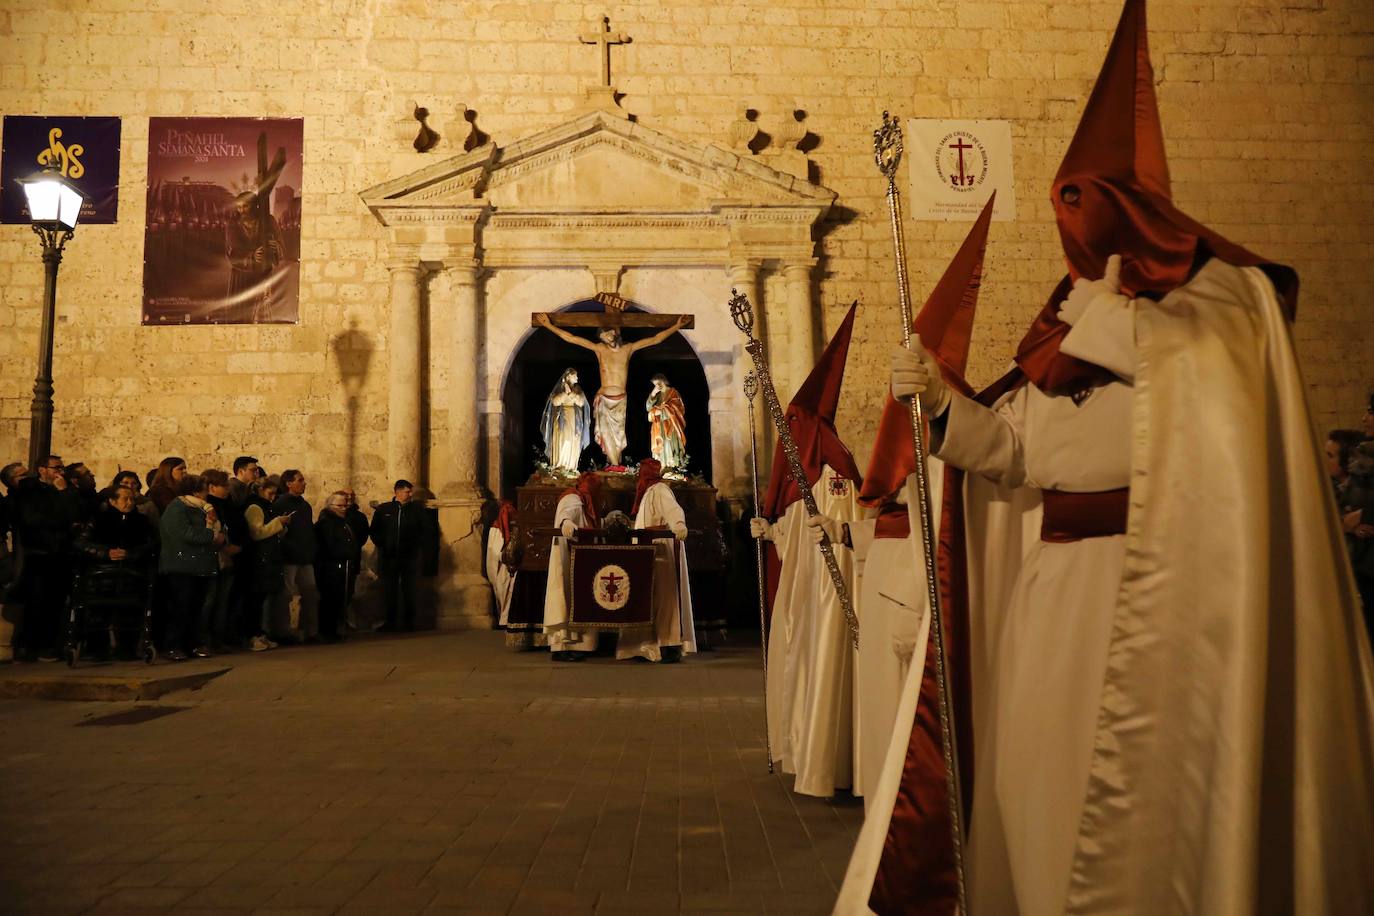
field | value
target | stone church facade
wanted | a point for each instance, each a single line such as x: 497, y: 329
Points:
x: 732, y: 149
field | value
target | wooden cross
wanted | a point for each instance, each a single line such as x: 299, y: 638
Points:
x: 603, y: 38
x: 614, y: 316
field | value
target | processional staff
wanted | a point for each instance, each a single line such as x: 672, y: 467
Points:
x: 743, y: 314
x: 751, y: 388
x: 887, y: 153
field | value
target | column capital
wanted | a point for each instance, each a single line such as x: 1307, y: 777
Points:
x: 793, y: 266
x: 744, y: 269
x: 401, y: 262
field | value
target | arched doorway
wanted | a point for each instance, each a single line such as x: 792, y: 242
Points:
x: 540, y: 361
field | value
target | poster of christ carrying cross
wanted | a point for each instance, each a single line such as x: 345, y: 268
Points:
x: 612, y: 357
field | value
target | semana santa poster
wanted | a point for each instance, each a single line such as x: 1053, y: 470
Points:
x: 84, y: 150
x: 222, y: 241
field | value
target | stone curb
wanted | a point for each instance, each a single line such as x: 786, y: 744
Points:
x: 87, y: 687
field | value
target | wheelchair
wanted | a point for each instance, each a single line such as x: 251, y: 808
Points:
x: 107, y: 600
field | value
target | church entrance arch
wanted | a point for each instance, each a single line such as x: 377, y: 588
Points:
x: 540, y: 360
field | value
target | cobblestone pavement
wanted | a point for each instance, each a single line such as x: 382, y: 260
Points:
x: 435, y: 773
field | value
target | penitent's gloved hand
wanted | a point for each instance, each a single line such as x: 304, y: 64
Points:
x: 680, y: 531
x: 1094, y: 293
x: 760, y: 530
x: 915, y: 373
x: 568, y: 529
x: 824, y: 523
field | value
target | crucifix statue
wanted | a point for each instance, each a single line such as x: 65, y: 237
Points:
x: 612, y: 356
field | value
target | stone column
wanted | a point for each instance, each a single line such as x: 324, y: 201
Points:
x: 464, y: 380
x: 463, y: 596
x: 801, y: 321
x: 403, y: 355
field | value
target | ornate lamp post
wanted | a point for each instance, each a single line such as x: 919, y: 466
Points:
x: 54, y: 206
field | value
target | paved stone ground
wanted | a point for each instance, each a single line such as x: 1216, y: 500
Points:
x: 432, y: 774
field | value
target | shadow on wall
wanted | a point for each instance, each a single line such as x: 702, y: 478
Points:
x: 353, y: 354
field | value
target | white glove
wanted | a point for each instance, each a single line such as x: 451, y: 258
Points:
x: 568, y: 528
x: 760, y: 530
x: 680, y: 531
x: 825, y: 524
x: 915, y: 372
x: 1086, y: 292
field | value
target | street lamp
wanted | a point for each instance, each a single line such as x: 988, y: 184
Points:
x: 54, y: 207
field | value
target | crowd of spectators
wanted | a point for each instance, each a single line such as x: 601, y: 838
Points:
x: 1350, y: 462
x: 235, y: 560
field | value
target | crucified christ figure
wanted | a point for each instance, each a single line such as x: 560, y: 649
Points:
x: 613, y: 357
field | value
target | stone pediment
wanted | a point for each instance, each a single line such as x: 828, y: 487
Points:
x: 595, y: 163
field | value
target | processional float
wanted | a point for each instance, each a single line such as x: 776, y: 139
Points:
x: 887, y: 153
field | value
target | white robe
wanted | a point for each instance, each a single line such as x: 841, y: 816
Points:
x: 1179, y: 719
x: 561, y: 638
x: 894, y: 608
x: 810, y: 653
x: 673, y: 623
x: 501, y: 579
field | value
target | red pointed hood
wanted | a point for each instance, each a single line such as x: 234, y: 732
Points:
x: 650, y: 473
x: 945, y: 326
x: 505, y: 516
x: 811, y: 417
x: 588, y: 488
x: 1112, y: 196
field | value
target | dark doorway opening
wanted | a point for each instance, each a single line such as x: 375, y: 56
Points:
x: 540, y: 362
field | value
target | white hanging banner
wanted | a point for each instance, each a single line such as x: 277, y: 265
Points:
x: 954, y: 167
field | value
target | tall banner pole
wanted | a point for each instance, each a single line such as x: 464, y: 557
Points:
x: 887, y: 153
x: 751, y: 388
x: 743, y: 314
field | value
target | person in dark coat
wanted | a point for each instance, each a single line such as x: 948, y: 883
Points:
x: 298, y: 556
x: 262, y: 562
x: 166, y: 482
x: 47, y: 511
x: 118, y: 533
x: 401, y: 529
x: 226, y: 627
x: 358, y: 521
x: 336, y: 564
x: 189, y: 559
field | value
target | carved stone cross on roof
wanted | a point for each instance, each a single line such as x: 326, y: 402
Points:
x: 614, y: 316
x: 603, y: 38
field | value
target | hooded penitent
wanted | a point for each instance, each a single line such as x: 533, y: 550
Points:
x: 1112, y: 196
x: 650, y: 473
x: 587, y: 487
x: 811, y: 417
x: 916, y: 870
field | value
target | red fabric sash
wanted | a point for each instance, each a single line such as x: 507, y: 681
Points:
x: 1073, y: 517
x: 893, y: 522
x: 916, y: 873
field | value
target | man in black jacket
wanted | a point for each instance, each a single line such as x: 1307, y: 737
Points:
x: 402, y: 530
x: 361, y: 526
x: 298, y: 554
x: 336, y: 564
x: 46, y: 512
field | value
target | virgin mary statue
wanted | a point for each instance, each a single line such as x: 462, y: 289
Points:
x: 567, y: 423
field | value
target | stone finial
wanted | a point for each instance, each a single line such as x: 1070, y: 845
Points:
x: 413, y: 129
x: 404, y: 126
x: 792, y: 130
x: 743, y: 131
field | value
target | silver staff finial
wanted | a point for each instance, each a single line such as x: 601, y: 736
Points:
x: 741, y: 311
x: 887, y: 146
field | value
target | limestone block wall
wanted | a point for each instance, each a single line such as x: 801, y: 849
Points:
x: 1267, y: 110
